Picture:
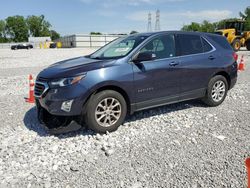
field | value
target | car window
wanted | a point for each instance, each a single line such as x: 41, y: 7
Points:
x: 119, y: 49
x: 222, y: 41
x: 162, y: 47
x: 206, y: 46
x: 190, y: 44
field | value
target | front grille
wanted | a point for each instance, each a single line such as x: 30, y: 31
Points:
x: 41, y: 86
x: 41, y: 79
x: 39, y: 89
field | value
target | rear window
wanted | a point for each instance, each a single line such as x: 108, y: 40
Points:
x: 206, y: 46
x: 222, y: 41
x: 190, y: 44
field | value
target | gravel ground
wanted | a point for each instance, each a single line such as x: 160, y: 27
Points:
x: 181, y: 145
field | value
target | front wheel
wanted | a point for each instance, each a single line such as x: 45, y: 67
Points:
x: 216, y: 91
x: 106, y: 111
x: 236, y: 45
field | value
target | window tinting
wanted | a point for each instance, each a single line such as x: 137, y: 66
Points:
x: 162, y: 47
x: 206, y: 46
x: 190, y: 44
x: 222, y: 41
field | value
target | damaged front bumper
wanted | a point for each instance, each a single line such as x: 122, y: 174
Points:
x: 55, y: 124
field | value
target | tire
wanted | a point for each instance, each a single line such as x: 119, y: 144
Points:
x: 101, y: 119
x: 248, y: 45
x: 210, y: 98
x: 236, y: 45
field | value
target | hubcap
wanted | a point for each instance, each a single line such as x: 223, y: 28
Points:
x: 108, y: 112
x: 218, y: 91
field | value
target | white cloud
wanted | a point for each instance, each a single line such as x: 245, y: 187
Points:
x: 139, y: 15
x: 175, y: 20
x: 106, y: 13
x: 112, y: 3
x: 208, y: 14
x: 211, y: 15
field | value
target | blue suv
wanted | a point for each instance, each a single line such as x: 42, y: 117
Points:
x: 134, y: 73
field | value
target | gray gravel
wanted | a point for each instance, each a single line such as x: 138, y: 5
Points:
x: 181, y: 145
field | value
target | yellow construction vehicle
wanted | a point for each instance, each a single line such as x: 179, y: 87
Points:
x: 236, y: 35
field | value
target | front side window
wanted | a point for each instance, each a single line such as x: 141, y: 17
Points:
x: 118, y: 48
x: 190, y: 44
x: 162, y: 47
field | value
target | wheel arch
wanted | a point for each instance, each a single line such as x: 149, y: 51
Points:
x: 114, y: 88
x: 226, y: 75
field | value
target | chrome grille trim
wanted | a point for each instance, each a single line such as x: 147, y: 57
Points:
x: 40, y: 89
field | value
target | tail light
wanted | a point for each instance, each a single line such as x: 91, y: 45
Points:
x: 235, y: 56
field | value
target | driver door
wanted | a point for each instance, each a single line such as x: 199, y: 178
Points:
x: 157, y: 81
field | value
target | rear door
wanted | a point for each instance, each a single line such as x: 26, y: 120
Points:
x: 197, y: 63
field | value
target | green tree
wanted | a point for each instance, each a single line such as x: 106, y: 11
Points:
x: 38, y: 26
x: 16, y: 28
x: 2, y: 31
x: 95, y: 33
x: 207, y: 27
x: 220, y: 25
x: 192, y: 27
x: 54, y: 35
x: 133, y: 32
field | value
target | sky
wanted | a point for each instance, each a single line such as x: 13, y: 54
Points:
x: 121, y: 16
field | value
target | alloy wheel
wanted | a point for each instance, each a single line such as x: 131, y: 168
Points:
x: 218, y: 91
x: 108, y: 112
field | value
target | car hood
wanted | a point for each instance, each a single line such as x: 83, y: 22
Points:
x: 72, y: 67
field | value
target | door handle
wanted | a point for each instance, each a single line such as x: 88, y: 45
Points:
x: 173, y: 64
x: 211, y: 57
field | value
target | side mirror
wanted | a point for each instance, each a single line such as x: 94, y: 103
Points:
x: 144, y: 56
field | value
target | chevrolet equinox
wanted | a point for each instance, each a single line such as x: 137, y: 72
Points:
x: 134, y: 73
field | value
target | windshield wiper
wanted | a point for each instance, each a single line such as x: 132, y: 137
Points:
x: 95, y: 57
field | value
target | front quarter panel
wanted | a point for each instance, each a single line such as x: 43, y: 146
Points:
x: 119, y: 75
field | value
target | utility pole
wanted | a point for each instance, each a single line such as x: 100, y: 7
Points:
x: 157, y: 22
x: 149, y: 22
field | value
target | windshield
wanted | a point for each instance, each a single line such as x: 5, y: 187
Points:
x: 118, y: 48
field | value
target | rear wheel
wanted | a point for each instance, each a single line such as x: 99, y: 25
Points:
x: 216, y: 91
x: 236, y: 45
x: 105, y: 111
x: 248, y: 45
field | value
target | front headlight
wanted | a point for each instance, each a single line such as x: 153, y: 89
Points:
x: 66, y: 81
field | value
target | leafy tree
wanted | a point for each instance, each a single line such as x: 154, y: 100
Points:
x: 2, y: 31
x: 192, y: 27
x: 220, y: 25
x: 133, y: 32
x: 38, y: 26
x: 54, y: 35
x: 207, y: 27
x: 16, y: 28
x: 95, y: 33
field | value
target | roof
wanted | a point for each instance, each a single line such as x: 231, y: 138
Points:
x: 169, y: 32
